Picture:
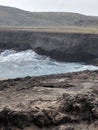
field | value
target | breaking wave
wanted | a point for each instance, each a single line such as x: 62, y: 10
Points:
x: 28, y: 63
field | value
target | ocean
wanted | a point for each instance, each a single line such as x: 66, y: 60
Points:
x: 28, y: 63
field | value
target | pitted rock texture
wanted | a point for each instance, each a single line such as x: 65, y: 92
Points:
x: 56, y: 102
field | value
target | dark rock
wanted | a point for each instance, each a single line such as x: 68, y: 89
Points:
x: 44, y: 108
x: 60, y: 46
x: 93, y: 62
x: 81, y: 106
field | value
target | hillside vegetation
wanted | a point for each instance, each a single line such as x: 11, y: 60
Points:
x: 15, y: 17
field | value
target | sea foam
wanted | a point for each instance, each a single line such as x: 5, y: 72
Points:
x: 28, y: 63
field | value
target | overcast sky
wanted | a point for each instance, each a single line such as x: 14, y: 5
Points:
x: 88, y: 7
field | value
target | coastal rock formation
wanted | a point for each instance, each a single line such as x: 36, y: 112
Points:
x: 93, y: 61
x: 60, y: 46
x: 57, y: 102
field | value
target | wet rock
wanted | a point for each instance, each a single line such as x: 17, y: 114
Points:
x: 93, y: 62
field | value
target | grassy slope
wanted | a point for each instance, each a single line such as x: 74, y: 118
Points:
x: 56, y: 21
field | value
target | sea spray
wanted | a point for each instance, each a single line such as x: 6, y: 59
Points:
x: 28, y: 63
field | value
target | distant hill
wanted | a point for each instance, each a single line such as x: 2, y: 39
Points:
x: 15, y: 17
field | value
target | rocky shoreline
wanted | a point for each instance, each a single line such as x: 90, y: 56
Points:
x: 62, y: 46
x: 57, y: 102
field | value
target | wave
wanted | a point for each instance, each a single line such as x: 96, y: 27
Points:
x: 28, y: 63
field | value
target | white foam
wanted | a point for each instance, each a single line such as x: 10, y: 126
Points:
x: 27, y: 63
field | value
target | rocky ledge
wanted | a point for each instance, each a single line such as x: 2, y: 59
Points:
x: 57, y: 102
x: 62, y: 46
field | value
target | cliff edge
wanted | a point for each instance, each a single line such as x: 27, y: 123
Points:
x: 62, y: 46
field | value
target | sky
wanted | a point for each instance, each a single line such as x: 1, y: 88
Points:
x: 87, y: 7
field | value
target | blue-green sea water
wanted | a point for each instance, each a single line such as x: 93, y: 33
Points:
x: 28, y: 63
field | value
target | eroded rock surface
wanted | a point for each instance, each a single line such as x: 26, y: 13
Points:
x: 56, y: 102
x: 62, y: 46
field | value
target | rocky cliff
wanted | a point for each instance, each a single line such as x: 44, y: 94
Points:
x: 60, y: 46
